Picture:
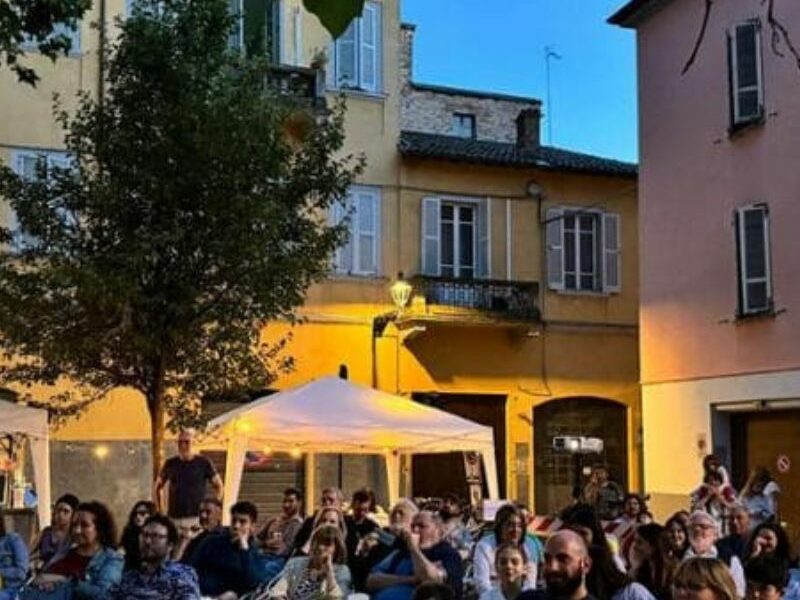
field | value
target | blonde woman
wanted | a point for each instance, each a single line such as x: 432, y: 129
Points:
x: 329, y: 516
x: 703, y: 579
x: 322, y: 575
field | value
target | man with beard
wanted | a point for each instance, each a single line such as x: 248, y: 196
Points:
x: 157, y: 578
x: 210, y: 524
x: 566, y: 564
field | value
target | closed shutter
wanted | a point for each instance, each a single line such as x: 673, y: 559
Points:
x: 365, y: 232
x: 611, y: 253
x: 370, y: 36
x: 431, y: 247
x: 554, y: 238
x: 346, y: 68
x: 745, y: 72
x: 26, y: 165
x: 755, y: 277
x: 484, y: 238
x: 343, y: 258
x: 235, y: 37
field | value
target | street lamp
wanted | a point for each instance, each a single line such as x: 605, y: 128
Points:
x: 401, y: 292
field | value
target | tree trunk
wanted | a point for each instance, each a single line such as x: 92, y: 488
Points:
x: 155, y: 405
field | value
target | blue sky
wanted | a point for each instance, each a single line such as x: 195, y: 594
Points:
x: 498, y: 45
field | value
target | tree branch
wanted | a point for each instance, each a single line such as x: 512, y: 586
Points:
x: 780, y: 34
x: 700, y: 37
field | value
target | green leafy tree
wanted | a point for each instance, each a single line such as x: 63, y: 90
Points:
x: 191, y: 216
x: 34, y: 23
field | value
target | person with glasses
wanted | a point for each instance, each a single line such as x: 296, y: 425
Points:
x: 187, y: 475
x: 703, y: 579
x: 703, y: 535
x: 129, y: 545
x: 54, y: 540
x: 510, y: 528
x: 156, y: 577
x: 425, y: 557
x: 210, y: 524
x: 230, y: 565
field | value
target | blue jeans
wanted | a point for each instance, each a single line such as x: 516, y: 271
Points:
x: 273, y: 565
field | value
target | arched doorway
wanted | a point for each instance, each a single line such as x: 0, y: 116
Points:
x: 590, y: 417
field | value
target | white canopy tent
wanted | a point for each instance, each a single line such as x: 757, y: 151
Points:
x: 32, y: 422
x: 330, y: 415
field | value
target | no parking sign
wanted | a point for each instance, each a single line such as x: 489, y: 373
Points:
x: 783, y: 464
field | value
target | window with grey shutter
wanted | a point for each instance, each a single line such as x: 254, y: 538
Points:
x: 554, y: 231
x: 611, y: 253
x: 485, y: 238
x: 431, y: 247
x: 357, y: 53
x: 746, y: 85
x: 360, y: 211
x: 753, y: 256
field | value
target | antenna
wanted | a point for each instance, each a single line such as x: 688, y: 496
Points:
x: 549, y: 53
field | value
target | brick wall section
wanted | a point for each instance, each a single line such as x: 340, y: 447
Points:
x: 431, y: 111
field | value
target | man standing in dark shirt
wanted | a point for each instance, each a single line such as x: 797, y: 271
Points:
x: 187, y: 475
x: 566, y: 565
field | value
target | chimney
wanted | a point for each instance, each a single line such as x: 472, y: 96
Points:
x: 406, y: 53
x: 528, y: 122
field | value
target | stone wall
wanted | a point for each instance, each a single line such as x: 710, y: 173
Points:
x: 431, y: 111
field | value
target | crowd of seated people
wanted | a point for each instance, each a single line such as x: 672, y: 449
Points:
x: 423, y: 552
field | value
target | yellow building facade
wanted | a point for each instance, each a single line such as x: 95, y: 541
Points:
x: 522, y: 261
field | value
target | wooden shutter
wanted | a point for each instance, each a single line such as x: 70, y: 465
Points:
x: 369, y: 42
x: 346, y: 67
x: 554, y: 232
x: 753, y: 253
x: 431, y: 244
x: 611, y: 253
x: 484, y: 226
x: 343, y: 258
x: 745, y: 72
x: 365, y: 232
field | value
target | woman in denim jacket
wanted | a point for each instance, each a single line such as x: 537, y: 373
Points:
x: 90, y: 568
x: 13, y: 562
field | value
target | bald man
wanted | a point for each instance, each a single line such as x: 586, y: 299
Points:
x: 566, y: 565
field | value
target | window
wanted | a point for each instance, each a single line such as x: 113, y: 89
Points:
x: 463, y: 125
x: 746, y: 85
x: 32, y: 166
x: 72, y: 33
x: 583, y: 250
x: 357, y: 52
x: 753, y: 258
x: 455, y: 238
x: 362, y: 209
x: 257, y: 28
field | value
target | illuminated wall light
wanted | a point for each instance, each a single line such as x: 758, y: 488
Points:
x: 101, y: 451
x: 296, y: 453
x: 243, y: 426
x: 266, y: 450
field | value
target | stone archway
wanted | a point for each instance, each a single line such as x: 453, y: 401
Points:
x: 580, y: 416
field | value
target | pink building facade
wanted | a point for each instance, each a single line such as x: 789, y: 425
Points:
x: 720, y: 243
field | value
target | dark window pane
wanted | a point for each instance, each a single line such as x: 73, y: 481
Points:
x: 447, y: 212
x: 587, y: 282
x: 569, y: 221
x: 587, y: 253
x: 465, y: 214
x: 447, y: 271
x: 447, y: 244
x: 587, y: 223
x: 466, y: 251
x: 757, y: 296
x: 569, y: 251
x: 569, y: 281
x: 748, y: 104
x: 746, y: 55
x: 755, y: 250
x: 466, y: 274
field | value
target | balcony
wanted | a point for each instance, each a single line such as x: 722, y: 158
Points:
x: 479, y: 299
x: 302, y: 84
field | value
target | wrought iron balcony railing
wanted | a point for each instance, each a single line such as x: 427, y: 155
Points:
x: 505, y: 299
x: 300, y: 83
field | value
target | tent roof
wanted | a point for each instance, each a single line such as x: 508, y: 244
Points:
x: 16, y: 418
x: 333, y: 415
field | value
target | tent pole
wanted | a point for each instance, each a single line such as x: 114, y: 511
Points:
x: 309, y: 476
x: 234, y: 467
x: 393, y: 476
